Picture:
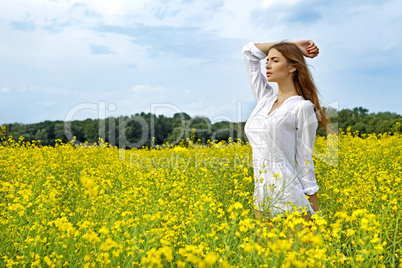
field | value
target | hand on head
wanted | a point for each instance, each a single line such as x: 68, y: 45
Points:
x: 308, y: 48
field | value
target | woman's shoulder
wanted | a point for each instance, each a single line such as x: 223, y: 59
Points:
x: 297, y: 102
x: 305, y: 104
x: 304, y: 107
x: 306, y: 111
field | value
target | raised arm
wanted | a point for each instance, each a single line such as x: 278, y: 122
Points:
x: 253, y: 53
x: 264, y: 47
x: 307, y: 47
x: 252, y: 56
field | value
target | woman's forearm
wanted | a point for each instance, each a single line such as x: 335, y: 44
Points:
x: 264, y: 47
x: 307, y: 47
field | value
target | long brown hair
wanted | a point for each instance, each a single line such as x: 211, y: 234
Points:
x: 302, y: 79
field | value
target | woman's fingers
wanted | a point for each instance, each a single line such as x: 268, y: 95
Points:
x: 308, y: 48
x: 312, y: 49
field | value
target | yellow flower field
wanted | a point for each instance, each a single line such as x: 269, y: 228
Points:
x: 191, y: 206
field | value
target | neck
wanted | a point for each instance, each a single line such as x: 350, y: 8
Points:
x: 286, y: 89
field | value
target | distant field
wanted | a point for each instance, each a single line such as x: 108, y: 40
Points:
x: 186, y: 206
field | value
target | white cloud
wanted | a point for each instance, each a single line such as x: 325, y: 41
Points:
x: 5, y: 90
x: 114, y: 9
x: 148, y: 88
x: 268, y: 3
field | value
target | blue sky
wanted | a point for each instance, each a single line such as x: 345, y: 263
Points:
x: 94, y: 58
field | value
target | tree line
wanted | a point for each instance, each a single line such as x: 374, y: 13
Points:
x: 147, y: 130
x: 361, y: 121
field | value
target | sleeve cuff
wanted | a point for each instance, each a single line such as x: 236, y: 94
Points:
x: 256, y: 52
x: 311, y: 190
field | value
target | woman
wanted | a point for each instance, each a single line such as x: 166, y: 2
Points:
x: 282, y: 127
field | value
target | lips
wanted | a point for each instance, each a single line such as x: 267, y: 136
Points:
x: 269, y: 73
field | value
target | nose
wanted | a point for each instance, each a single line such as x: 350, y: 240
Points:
x: 268, y: 65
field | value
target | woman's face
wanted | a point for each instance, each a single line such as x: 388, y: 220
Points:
x: 277, y: 66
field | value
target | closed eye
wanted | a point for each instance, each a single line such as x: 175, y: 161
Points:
x: 274, y: 59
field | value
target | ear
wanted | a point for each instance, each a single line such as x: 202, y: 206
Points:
x: 292, y: 69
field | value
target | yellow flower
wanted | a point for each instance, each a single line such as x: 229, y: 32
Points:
x: 247, y: 247
x: 181, y: 264
x: 168, y: 252
x: 104, y: 230
x: 211, y: 258
x: 108, y: 244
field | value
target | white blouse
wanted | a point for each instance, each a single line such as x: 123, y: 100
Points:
x: 282, y: 143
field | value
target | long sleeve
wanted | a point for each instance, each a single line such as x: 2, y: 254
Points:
x: 259, y: 84
x: 305, y: 137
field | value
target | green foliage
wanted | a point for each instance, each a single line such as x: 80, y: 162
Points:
x: 359, y: 119
x: 137, y: 130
